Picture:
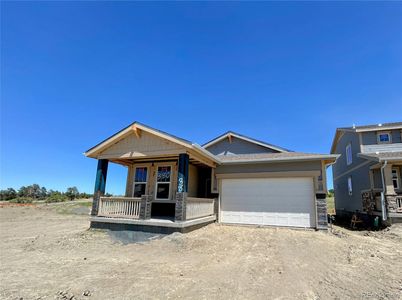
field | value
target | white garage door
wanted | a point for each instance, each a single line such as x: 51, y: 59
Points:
x: 268, y: 201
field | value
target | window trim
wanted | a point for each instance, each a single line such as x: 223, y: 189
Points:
x: 397, y: 178
x: 399, y: 202
x: 349, y: 160
x: 384, y: 132
x: 170, y: 182
x: 146, y: 182
x: 350, y: 186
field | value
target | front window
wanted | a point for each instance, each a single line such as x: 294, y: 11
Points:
x: 350, y: 187
x: 399, y: 202
x: 163, y: 182
x: 349, y: 154
x: 140, y: 181
x: 383, y: 137
x: 395, y: 178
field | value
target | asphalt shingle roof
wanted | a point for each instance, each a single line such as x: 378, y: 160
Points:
x: 381, y: 156
x: 373, y: 126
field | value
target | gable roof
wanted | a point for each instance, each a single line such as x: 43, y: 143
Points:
x: 245, y: 138
x: 133, y: 127
x: 282, y: 156
x: 363, y: 128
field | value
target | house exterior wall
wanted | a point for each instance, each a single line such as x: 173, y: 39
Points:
x: 152, y: 168
x: 360, y: 181
x: 192, y: 181
x: 269, y: 167
x: 377, y: 178
x: 358, y: 170
x: 309, y: 167
x: 277, y: 167
x: 237, y: 146
x: 370, y: 137
x: 392, y: 147
x: 370, y: 144
x: 147, y: 144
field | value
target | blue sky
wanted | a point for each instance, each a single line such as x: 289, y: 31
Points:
x: 289, y: 73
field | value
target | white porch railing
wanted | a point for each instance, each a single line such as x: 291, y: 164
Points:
x: 199, y: 207
x: 119, y: 207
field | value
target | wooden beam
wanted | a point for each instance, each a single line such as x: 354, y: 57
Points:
x: 137, y: 131
x: 121, y: 162
x: 137, y: 155
x: 202, y: 160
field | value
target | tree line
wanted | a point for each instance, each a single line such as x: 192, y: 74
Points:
x: 36, y: 192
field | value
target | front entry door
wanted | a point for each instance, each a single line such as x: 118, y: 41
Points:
x: 163, y: 182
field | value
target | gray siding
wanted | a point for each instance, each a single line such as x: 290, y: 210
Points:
x: 377, y: 179
x: 341, y: 166
x: 397, y: 136
x: 360, y: 176
x: 370, y: 138
x: 392, y: 147
x: 360, y: 181
x: 269, y: 167
x: 238, y: 146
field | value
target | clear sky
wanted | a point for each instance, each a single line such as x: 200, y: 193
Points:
x: 289, y: 73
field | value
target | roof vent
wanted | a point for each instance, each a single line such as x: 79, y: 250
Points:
x: 354, y: 125
x: 380, y: 124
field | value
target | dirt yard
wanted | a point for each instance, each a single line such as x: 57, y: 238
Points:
x: 48, y: 253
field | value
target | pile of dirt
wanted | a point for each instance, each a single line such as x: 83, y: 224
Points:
x: 48, y: 255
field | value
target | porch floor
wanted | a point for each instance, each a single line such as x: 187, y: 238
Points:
x: 155, y: 225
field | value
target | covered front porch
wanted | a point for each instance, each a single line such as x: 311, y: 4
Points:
x: 168, y: 187
x: 385, y: 194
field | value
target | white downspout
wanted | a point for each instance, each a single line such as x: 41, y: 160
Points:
x: 384, y: 213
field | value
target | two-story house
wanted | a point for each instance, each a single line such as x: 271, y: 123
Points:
x: 367, y: 176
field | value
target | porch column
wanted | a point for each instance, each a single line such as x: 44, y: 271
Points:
x: 389, y: 186
x: 390, y: 194
x: 182, y: 187
x: 371, y: 175
x: 182, y: 173
x: 100, y: 184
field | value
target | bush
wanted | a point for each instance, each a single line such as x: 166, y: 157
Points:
x: 21, y: 200
x: 56, y: 198
x: 8, y: 194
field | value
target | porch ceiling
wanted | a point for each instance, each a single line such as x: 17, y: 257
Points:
x: 148, y: 159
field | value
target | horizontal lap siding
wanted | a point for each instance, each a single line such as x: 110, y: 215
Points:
x: 269, y: 167
x: 237, y: 146
x: 146, y: 144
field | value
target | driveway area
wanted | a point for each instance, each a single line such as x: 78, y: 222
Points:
x: 47, y: 252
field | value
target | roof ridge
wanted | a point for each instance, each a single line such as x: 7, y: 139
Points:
x: 269, y: 145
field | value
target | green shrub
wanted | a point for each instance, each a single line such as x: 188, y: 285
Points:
x: 21, y: 200
x: 56, y: 198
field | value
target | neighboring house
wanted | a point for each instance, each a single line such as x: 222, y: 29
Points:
x: 367, y: 176
x: 175, y: 185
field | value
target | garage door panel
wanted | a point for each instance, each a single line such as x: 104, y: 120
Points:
x: 268, y: 201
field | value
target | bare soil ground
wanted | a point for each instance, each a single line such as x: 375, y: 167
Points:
x: 48, y: 253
